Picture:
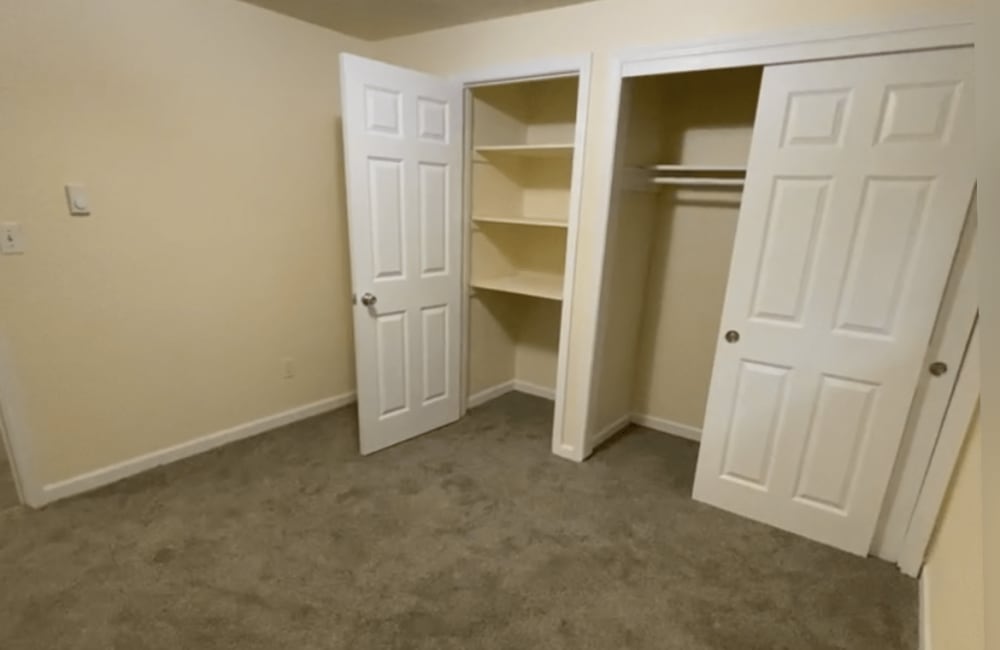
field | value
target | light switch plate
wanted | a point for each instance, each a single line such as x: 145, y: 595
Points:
x: 11, y: 239
x: 76, y: 199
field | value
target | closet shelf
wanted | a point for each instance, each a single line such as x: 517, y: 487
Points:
x: 525, y: 283
x: 528, y: 150
x: 524, y: 221
x: 711, y: 169
x: 701, y: 181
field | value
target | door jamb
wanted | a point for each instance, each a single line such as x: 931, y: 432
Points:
x: 580, y: 67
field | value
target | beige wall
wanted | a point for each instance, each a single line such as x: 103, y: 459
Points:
x: 988, y: 96
x: 217, y: 244
x: 614, y: 25
x: 669, y: 249
x: 207, y: 134
x: 710, y: 122
x: 954, y: 568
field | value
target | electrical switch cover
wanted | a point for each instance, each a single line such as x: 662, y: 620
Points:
x: 11, y: 239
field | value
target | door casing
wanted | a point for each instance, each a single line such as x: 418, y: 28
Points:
x: 564, y: 444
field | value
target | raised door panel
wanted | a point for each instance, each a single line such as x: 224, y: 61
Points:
x: 434, y: 211
x: 918, y: 113
x: 835, y: 439
x: 888, y: 233
x: 392, y: 334
x: 388, y: 221
x: 796, y: 211
x: 759, y: 407
x: 435, y: 329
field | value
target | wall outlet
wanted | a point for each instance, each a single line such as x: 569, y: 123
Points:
x: 288, y: 364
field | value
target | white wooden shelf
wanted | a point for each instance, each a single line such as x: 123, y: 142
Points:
x: 525, y: 283
x: 698, y: 181
x: 707, y: 169
x: 523, y: 221
x: 528, y: 150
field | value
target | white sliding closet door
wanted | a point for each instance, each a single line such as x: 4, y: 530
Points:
x: 403, y: 144
x: 859, y: 180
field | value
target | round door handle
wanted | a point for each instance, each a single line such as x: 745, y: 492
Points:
x: 368, y: 299
x: 732, y: 336
x: 938, y: 368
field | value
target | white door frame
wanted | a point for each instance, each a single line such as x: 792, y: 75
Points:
x: 577, y: 66
x: 921, y: 32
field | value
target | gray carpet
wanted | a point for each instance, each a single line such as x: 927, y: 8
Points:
x: 474, y: 536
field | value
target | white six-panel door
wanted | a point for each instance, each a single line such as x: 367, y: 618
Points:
x: 858, y: 183
x: 403, y: 147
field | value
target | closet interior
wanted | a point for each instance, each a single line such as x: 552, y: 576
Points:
x: 684, y: 141
x: 521, y: 168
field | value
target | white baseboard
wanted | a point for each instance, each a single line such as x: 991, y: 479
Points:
x: 112, y: 473
x: 534, y: 389
x: 494, y: 392
x: 607, y: 432
x: 490, y: 393
x: 924, y: 612
x: 667, y: 426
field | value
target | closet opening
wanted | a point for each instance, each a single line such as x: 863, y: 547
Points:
x: 683, y: 147
x: 521, y: 145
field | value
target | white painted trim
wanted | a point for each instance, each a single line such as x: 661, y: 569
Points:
x: 501, y: 389
x: 523, y: 70
x: 956, y: 423
x: 600, y: 355
x: 564, y: 443
x: 922, y: 31
x: 490, y: 394
x: 580, y: 66
x: 534, y: 389
x: 112, y: 473
x: 924, y: 636
x: 590, y: 359
x: 917, y: 32
x: 465, y: 401
x: 667, y: 426
x: 607, y: 432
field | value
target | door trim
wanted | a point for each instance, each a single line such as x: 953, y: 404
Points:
x: 564, y: 445
x: 916, y: 32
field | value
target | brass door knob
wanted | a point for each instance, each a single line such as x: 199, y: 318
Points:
x: 732, y: 336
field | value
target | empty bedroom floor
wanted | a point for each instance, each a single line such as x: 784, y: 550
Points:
x: 474, y: 536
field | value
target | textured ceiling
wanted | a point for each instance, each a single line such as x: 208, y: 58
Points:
x: 376, y: 19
